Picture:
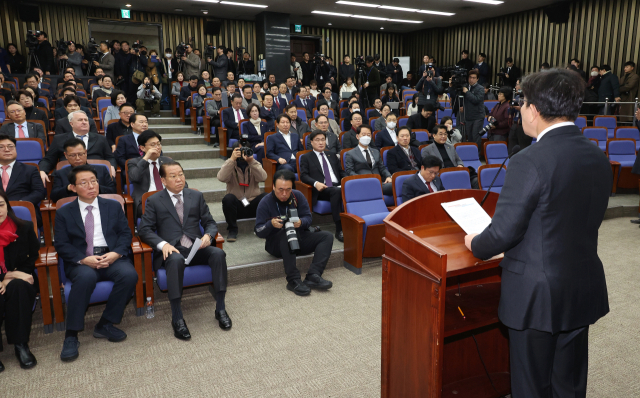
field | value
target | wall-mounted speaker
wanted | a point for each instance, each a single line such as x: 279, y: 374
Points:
x: 558, y: 13
x: 213, y: 27
x: 29, y: 12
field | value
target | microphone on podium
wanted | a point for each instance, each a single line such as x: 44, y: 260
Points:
x: 515, y: 150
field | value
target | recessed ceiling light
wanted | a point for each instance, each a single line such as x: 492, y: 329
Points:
x: 399, y: 8
x: 330, y: 24
x: 493, y: 2
x: 352, y: 3
x: 368, y: 17
x: 337, y: 14
x: 233, y: 3
x: 404, y: 21
x: 381, y: 28
x: 127, y: 5
x: 209, y: 1
x: 178, y: 9
x: 205, y: 12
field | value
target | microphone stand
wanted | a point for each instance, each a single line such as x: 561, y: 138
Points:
x: 515, y: 150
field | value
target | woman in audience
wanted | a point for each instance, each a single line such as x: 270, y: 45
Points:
x: 381, y: 122
x: 25, y: 97
x: 348, y: 87
x: 454, y: 134
x: 500, y: 113
x: 19, y: 247
x: 17, y: 61
x: 256, y: 92
x: 255, y: 130
x: 198, y: 100
x: 154, y: 68
x: 113, y: 111
x: 390, y: 95
x: 413, y: 105
x: 314, y: 88
x: 265, y: 87
x: 177, y: 85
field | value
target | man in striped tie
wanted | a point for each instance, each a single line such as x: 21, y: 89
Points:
x: 93, y: 239
x: 171, y: 224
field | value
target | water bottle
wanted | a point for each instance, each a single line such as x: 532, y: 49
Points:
x: 150, y: 312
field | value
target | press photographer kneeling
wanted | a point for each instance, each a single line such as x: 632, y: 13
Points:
x: 148, y: 97
x: 283, y: 219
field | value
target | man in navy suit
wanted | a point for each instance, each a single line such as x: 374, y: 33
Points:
x: 269, y: 112
x: 425, y: 181
x: 76, y: 153
x: 186, y: 91
x: 304, y: 102
x: 484, y: 69
x: 128, y: 144
x: 283, y: 146
x: 93, y: 240
x: 278, y: 102
x: 19, y: 181
x: 232, y: 116
x: 546, y: 223
x: 404, y: 156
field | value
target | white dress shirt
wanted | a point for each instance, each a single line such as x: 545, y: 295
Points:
x: 235, y: 113
x: 152, y: 181
x: 174, y: 201
x: 334, y: 180
x: 431, y: 184
x: 9, y: 170
x: 85, y: 140
x: 554, y: 126
x: 98, y: 236
x: 393, y: 135
x: 364, y: 154
x: 287, y: 138
x: 25, y: 130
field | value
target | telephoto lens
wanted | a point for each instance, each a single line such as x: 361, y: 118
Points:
x: 292, y: 238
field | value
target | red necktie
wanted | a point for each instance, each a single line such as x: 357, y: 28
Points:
x: 429, y: 187
x: 239, y: 116
x: 21, y: 132
x: 5, y: 177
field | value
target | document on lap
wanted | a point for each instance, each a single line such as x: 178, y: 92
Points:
x: 468, y: 214
x: 194, y: 249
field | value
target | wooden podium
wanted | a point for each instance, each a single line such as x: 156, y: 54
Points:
x: 428, y: 348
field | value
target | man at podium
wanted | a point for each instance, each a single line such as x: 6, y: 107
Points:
x: 546, y: 223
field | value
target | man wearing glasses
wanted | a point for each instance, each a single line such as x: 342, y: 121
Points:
x: 19, y: 126
x: 122, y: 127
x: 76, y: 153
x: 425, y: 181
x: 127, y: 147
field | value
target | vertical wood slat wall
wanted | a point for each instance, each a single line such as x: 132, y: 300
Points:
x: 598, y: 32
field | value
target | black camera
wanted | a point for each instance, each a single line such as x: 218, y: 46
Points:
x: 93, y: 49
x: 147, y: 86
x: 318, y: 58
x: 502, y: 73
x: 359, y: 61
x: 492, y: 124
x: 245, y: 148
x: 459, y: 77
x: 31, y: 39
x: 181, y: 50
x: 288, y: 220
x: 62, y: 46
x: 209, y: 51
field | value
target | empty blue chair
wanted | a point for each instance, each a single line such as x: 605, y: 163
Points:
x: 103, y: 103
x: 490, y: 104
x: 302, y: 114
x: 598, y: 133
x: 457, y: 179
x: 487, y: 173
x: 397, y: 187
x: 402, y: 121
x: 422, y: 136
x: 29, y: 151
x: 622, y: 151
x: 446, y: 112
x: 496, y: 153
x: 231, y: 140
x: 372, y: 122
x: 468, y: 152
x: 344, y: 113
x: 629, y: 132
x: 581, y: 122
x: 609, y: 122
x: 3, y: 108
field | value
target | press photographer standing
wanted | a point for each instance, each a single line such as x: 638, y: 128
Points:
x: 499, y: 116
x: 472, y: 109
x: 44, y: 54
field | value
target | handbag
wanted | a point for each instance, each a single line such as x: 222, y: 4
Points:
x: 138, y: 75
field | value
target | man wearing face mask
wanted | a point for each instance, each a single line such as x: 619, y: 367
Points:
x: 170, y: 66
x: 387, y: 136
x: 364, y: 159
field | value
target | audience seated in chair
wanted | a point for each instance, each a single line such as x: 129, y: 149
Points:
x: 19, y: 127
x: 332, y: 140
x: 118, y: 99
x: 350, y: 139
x: 354, y: 109
x: 283, y: 146
x: 60, y: 112
x: 364, y: 159
x: 128, y: 147
x: 187, y: 90
x: 447, y: 153
x: 255, y: 130
x: 305, y: 102
x: 121, y: 127
x: 327, y: 100
x: 298, y: 125
x: 268, y: 112
x: 270, y: 226
x: 388, y: 136
x: 26, y: 99
x: 232, y: 116
x: 403, y: 157
x: 104, y: 91
x: 213, y: 109
x: 170, y: 225
x: 425, y: 181
x: 71, y: 104
x: 423, y: 120
x: 323, y: 109
x: 93, y: 240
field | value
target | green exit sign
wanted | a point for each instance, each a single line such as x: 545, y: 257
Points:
x: 298, y: 28
x: 125, y: 14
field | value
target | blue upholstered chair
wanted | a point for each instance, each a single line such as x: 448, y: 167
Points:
x: 490, y: 104
x: 29, y: 150
x: 397, y: 180
x: 455, y: 178
x: 446, y: 112
x: 302, y: 114
x: 402, y: 121
x: 598, y: 133
x: 609, y: 122
x: 322, y: 206
x: 581, y: 122
x: 487, y: 173
x: 495, y: 152
x: 622, y: 150
x: 629, y: 132
x: 468, y: 152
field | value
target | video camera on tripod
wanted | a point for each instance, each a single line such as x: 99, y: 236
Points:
x: 181, y: 50
x: 62, y: 46
x: 93, y: 49
x: 31, y: 39
x: 209, y: 51
x: 459, y: 77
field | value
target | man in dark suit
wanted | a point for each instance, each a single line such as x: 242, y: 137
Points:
x: 170, y: 224
x: 19, y: 127
x: 220, y: 100
x: 304, y: 102
x: 387, y: 136
x: 76, y: 153
x: 483, y: 69
x: 67, y: 91
x: 19, y: 181
x: 71, y: 105
x: 321, y: 169
x: 220, y: 65
x: 232, y: 116
x: 144, y: 171
x: 403, y: 157
x: 93, y: 240
x: 354, y: 109
x: 128, y: 147
x: 350, y: 140
x: 269, y: 112
x: 97, y: 146
x: 423, y: 120
x: 327, y: 100
x: 186, y: 91
x: 121, y: 127
x: 284, y: 144
x: 512, y: 73
x: 106, y: 60
x: 278, y: 102
x: 425, y: 181
x: 546, y: 223
x: 363, y: 159
x: 332, y: 143
x: 609, y: 89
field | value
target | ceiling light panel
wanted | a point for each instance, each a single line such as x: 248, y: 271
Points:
x: 351, y: 3
x: 233, y: 3
x: 492, y: 2
x: 337, y: 14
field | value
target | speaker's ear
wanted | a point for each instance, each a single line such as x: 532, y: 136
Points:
x: 213, y: 27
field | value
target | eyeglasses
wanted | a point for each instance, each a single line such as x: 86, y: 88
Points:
x: 76, y: 155
x: 441, y: 134
x: 319, y: 140
x: 7, y: 147
x: 15, y: 111
x: 155, y: 144
x: 84, y: 184
x: 433, y: 173
x: 126, y: 113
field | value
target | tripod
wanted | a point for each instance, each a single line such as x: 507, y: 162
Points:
x: 364, y: 96
x: 32, y: 55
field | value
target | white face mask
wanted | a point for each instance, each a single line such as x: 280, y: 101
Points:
x: 594, y: 73
x: 365, y: 140
x: 168, y: 55
x: 391, y: 125
x: 356, y: 110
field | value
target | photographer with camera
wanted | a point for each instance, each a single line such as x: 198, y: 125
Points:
x: 346, y: 70
x: 148, y: 97
x: 295, y: 69
x: 283, y: 218
x: 498, y: 128
x: 220, y: 65
x: 73, y: 58
x: 190, y: 61
x: 472, y: 109
x: 43, y: 52
x: 370, y: 77
x: 243, y: 175
x: 510, y: 74
x: 246, y: 66
x: 429, y: 87
x: 105, y: 60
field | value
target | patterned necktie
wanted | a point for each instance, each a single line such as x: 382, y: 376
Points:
x: 327, y: 172
x: 83, y: 137
x: 156, y: 177
x: 21, y: 132
x: 88, y: 230
x: 412, y: 160
x: 184, y: 241
x: 239, y: 115
x: 5, y: 177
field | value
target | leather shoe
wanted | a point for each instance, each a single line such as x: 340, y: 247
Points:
x: 340, y: 236
x: 180, y: 330
x: 232, y: 236
x: 1, y: 367
x: 25, y: 357
x: 223, y: 319
x: 298, y: 288
x: 70, y: 349
x: 110, y: 332
x: 315, y: 281
x: 636, y: 221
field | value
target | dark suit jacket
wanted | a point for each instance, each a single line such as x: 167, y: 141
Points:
x: 37, y: 114
x: 546, y: 223
x: 71, y: 243
x: 278, y: 148
x: 280, y: 103
x: 64, y: 127
x: 417, y: 122
x: 22, y: 253
x: 397, y: 159
x: 254, y: 137
x: 269, y: 116
x: 140, y: 178
x: 84, y: 104
x: 383, y: 139
x: 185, y: 93
x: 25, y: 184
x: 127, y: 149
x: 62, y: 112
x: 311, y: 170
x: 61, y: 181
x: 349, y: 139
x: 355, y: 163
x: 160, y: 221
x: 333, y: 106
x: 229, y: 121
x: 33, y: 129
x: 514, y: 75
x: 413, y: 187
x: 484, y: 70
x: 98, y: 148
x: 332, y: 143
x: 309, y: 108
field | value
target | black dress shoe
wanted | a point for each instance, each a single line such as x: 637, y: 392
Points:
x: 636, y: 221
x: 340, y: 236
x: 25, y: 357
x: 315, y: 281
x: 180, y: 330
x: 216, y: 145
x: 232, y: 236
x: 1, y: 367
x: 298, y: 288
x: 223, y: 319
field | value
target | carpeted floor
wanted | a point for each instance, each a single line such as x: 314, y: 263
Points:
x: 281, y: 345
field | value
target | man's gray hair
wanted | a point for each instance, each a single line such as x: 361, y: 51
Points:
x: 70, y: 117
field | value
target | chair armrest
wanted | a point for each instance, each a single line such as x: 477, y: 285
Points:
x: 46, y: 209
x: 307, y: 191
x: 219, y: 240
x: 52, y: 124
x: 615, y: 169
x: 50, y: 136
x: 352, y: 227
x: 52, y: 264
x: 128, y: 204
x: 41, y: 267
x: 173, y: 105
x: 182, y: 116
x: 137, y: 263
x: 206, y: 125
x: 193, y: 119
x: 269, y: 166
x: 148, y: 265
x: 222, y: 137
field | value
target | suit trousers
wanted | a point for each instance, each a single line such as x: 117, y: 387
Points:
x: 333, y: 195
x: 290, y: 165
x: 545, y: 365
x: 211, y: 255
x: 84, y: 280
x: 17, y: 306
x: 233, y: 210
x: 497, y: 137
x: 318, y: 243
x: 215, y: 122
x: 473, y: 129
x: 387, y: 189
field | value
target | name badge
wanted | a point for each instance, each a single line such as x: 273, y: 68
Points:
x: 428, y: 97
x: 245, y: 202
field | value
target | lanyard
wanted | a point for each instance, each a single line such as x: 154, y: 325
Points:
x: 238, y: 178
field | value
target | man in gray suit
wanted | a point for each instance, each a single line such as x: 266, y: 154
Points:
x: 247, y: 97
x: 473, y: 108
x: 170, y: 224
x: 220, y: 65
x: 323, y: 109
x: 213, y: 109
x: 364, y: 159
x: 19, y: 127
x: 144, y: 172
x: 106, y: 61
